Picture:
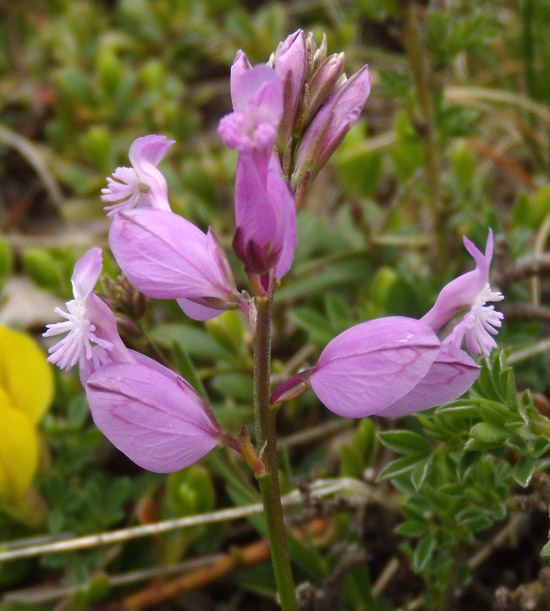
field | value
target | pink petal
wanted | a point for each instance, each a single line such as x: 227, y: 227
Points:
x: 86, y: 273
x: 196, y: 311
x: 167, y: 257
x: 239, y: 67
x: 449, y: 377
x: 371, y: 365
x: 158, y: 422
x: 461, y: 292
x: 150, y: 149
x: 258, y: 93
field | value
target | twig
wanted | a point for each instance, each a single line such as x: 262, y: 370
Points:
x: 426, y: 129
x: 236, y: 558
x: 526, y: 353
x: 386, y: 576
x: 35, y: 159
x: 524, y: 266
x: 42, y: 594
x: 525, y: 311
x: 358, y: 491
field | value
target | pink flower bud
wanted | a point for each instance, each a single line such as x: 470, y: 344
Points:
x: 329, y: 126
x: 265, y: 216
x: 159, y: 421
x: 289, y: 64
x: 323, y: 82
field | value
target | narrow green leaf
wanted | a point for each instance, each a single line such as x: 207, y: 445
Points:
x: 406, y: 442
x: 423, y: 553
x: 413, y: 529
x: 398, y: 467
x: 187, y: 370
x: 524, y: 469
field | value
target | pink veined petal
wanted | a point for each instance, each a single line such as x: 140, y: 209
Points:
x: 286, y: 237
x: 254, y: 214
x: 154, y: 419
x: 258, y: 93
x: 165, y: 256
x: 450, y: 376
x: 196, y: 311
x: 239, y: 67
x: 461, y: 292
x: 371, y: 365
x: 150, y: 149
x: 86, y: 273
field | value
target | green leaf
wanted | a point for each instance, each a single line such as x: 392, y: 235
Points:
x: 365, y: 440
x: 540, y: 446
x: 423, y: 553
x: 413, y: 529
x: 488, y: 433
x: 238, y: 385
x: 338, y: 311
x: 194, y: 341
x: 316, y: 325
x: 187, y: 370
x: 398, y: 467
x: 420, y: 472
x: 227, y: 330
x: 351, y: 463
x: 524, y: 469
x: 545, y: 551
x: 494, y: 412
x: 406, y: 442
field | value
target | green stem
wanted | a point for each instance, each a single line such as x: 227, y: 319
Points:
x: 267, y: 448
x: 427, y: 130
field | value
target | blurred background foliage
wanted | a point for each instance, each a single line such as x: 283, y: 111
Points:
x: 458, y: 115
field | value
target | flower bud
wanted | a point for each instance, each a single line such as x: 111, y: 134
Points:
x: 323, y: 82
x: 289, y: 63
x: 329, y: 126
x: 315, y: 56
x: 265, y: 216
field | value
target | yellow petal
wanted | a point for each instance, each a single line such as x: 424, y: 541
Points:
x: 25, y: 376
x: 18, y: 452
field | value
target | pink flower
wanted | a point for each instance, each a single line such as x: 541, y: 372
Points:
x: 472, y: 291
x: 257, y: 97
x: 371, y: 365
x: 394, y: 366
x: 92, y: 337
x: 142, y: 184
x: 152, y: 415
x: 167, y: 257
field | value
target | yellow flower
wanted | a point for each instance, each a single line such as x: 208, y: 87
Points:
x: 26, y: 391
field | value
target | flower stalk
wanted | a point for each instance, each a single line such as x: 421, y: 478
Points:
x: 426, y: 130
x: 266, y: 445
